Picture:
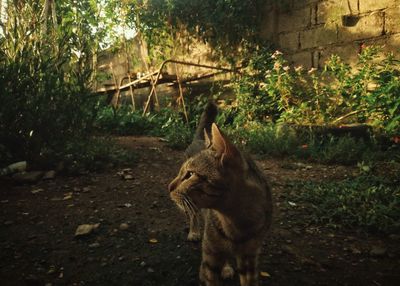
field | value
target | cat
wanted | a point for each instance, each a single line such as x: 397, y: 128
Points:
x: 204, y: 126
x: 236, y: 201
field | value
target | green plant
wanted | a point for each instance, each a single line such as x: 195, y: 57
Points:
x: 272, y: 91
x: 46, y: 100
x: 368, y: 202
x: 94, y: 154
x: 122, y: 121
x: 224, y: 25
x: 166, y: 123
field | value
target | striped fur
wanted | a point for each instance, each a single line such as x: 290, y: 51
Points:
x: 237, y: 208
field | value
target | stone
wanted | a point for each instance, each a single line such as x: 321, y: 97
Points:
x: 392, y: 22
x: 35, y: 191
x: 394, y: 236
x: 321, y: 36
x: 94, y: 245
x: 289, y: 42
x: 294, y: 20
x: 378, y: 251
x: 123, y: 226
x: 28, y: 177
x: 330, y: 12
x: 366, y: 27
x: 49, y: 175
x: 86, y: 229
x: 128, y: 177
x: 373, y: 5
x: 13, y: 168
x: 303, y: 59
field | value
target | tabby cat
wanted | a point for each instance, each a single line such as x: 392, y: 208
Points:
x: 237, y: 205
x: 204, y: 127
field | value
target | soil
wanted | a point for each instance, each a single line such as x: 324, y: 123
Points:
x: 141, y: 237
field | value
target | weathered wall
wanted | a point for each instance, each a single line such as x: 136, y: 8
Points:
x: 119, y: 61
x: 309, y: 31
x: 115, y: 61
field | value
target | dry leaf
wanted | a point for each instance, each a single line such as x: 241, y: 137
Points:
x: 153, y: 240
x: 264, y: 274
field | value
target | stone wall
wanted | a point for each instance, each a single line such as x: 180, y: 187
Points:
x: 117, y: 62
x: 309, y: 31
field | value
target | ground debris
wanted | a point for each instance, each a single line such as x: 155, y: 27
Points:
x: 86, y: 229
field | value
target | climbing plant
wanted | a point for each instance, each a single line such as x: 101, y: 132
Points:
x: 223, y: 24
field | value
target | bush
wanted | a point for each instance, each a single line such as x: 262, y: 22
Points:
x: 165, y: 123
x: 45, y: 97
x: 123, y: 121
x: 272, y: 91
x: 368, y: 202
x: 94, y: 154
x: 280, y: 140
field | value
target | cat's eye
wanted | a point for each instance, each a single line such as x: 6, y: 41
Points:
x: 188, y: 175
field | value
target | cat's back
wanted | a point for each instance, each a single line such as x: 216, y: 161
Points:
x: 257, y: 176
x: 206, y: 119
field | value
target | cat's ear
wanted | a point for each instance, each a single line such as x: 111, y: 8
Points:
x: 227, y: 151
x: 207, y: 139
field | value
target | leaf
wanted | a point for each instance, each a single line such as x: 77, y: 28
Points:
x: 67, y: 196
x: 153, y: 240
x: 264, y: 274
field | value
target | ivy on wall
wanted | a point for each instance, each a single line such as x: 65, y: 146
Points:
x: 223, y: 24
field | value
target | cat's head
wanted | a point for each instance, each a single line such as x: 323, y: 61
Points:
x: 204, y: 180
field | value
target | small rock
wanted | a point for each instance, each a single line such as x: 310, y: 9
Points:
x: 13, y: 168
x: 94, y: 245
x: 37, y: 191
x: 394, y: 236
x: 49, y: 175
x: 28, y: 177
x: 378, y: 250
x: 355, y: 250
x: 128, y: 177
x: 142, y: 264
x: 150, y: 270
x: 86, y: 190
x: 123, y: 226
x: 32, y: 280
x: 51, y: 270
x: 86, y: 229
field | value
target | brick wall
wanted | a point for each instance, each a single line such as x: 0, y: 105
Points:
x: 309, y: 31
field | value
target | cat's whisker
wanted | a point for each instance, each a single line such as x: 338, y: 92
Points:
x: 194, y: 209
x: 186, y: 207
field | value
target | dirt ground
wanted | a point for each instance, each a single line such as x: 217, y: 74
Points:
x: 141, y: 235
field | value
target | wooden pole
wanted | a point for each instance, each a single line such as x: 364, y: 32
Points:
x: 181, y: 99
x: 131, y: 92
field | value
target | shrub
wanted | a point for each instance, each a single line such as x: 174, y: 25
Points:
x: 166, y: 123
x: 272, y: 91
x: 368, y: 202
x: 122, y: 121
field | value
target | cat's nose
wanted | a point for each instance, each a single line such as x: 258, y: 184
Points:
x: 172, y: 186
